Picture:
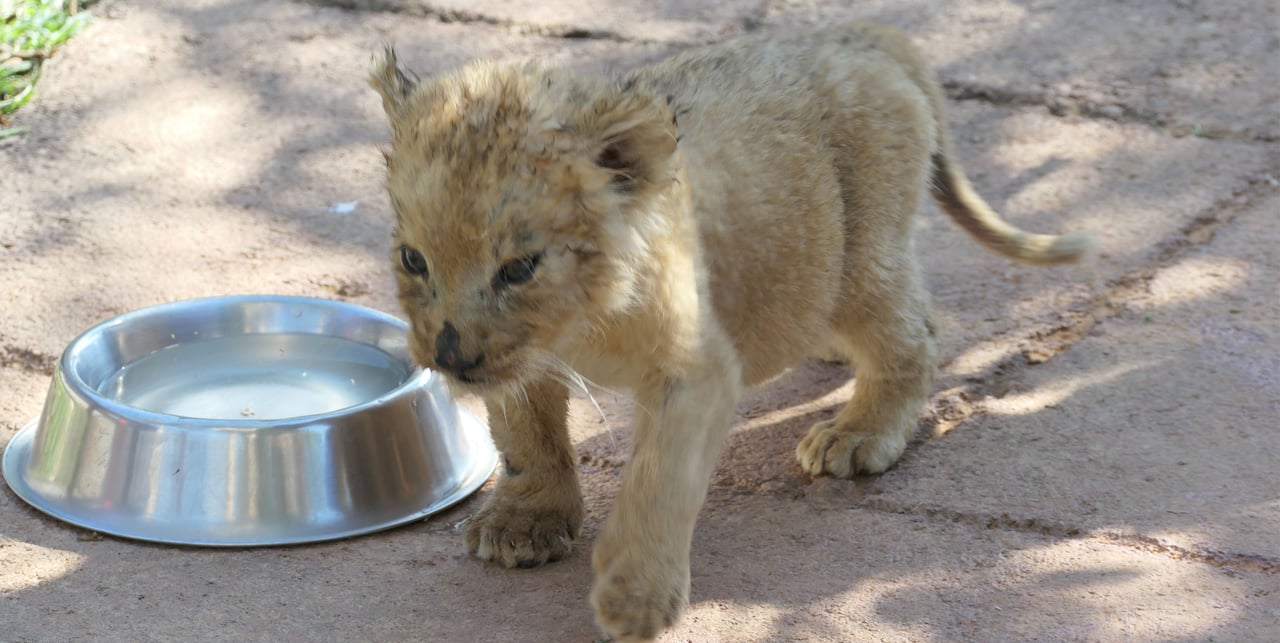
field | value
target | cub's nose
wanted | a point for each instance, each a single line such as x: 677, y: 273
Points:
x: 449, y: 354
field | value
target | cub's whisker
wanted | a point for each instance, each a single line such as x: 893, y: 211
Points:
x: 566, y: 375
x: 582, y: 385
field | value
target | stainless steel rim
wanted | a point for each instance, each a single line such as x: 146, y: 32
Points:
x: 415, y: 380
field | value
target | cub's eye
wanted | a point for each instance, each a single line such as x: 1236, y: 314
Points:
x: 413, y: 261
x: 514, y: 273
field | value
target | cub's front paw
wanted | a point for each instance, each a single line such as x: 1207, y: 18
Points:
x: 844, y: 451
x: 524, y: 531
x: 636, y: 597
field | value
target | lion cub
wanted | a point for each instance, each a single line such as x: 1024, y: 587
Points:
x: 683, y: 230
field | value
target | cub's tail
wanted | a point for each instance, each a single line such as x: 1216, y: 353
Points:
x: 950, y: 187
x: 958, y: 198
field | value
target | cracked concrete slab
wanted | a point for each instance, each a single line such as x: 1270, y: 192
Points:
x: 1203, y: 68
x: 1067, y: 482
x: 1133, y: 187
x: 1159, y: 423
x: 874, y: 576
x: 810, y: 571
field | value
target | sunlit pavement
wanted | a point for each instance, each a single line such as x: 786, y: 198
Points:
x: 1098, y: 462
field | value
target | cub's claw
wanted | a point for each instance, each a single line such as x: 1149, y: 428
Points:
x: 842, y: 453
x: 522, y: 534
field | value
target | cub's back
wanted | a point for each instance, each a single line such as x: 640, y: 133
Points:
x: 763, y: 129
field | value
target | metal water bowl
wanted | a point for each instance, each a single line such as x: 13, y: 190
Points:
x: 245, y: 421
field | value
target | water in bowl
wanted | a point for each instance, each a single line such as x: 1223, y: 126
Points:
x: 266, y: 376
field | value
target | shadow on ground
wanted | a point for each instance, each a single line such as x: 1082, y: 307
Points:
x: 1067, y: 481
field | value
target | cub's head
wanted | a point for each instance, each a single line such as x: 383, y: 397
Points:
x: 521, y: 197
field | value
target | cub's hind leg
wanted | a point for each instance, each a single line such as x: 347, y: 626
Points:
x: 882, y: 323
x: 886, y: 331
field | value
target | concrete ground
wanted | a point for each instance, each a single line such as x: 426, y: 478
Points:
x: 1100, y: 461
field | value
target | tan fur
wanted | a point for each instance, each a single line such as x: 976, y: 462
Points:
x: 698, y: 226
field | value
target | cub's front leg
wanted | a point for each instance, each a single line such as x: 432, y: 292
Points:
x: 535, y: 510
x: 641, y: 557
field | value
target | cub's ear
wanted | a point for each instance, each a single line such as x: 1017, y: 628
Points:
x: 392, y: 84
x: 632, y: 136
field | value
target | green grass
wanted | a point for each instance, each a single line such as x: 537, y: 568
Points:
x: 30, y: 32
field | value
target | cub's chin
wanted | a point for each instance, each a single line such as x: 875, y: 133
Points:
x: 462, y: 385
x: 503, y: 382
